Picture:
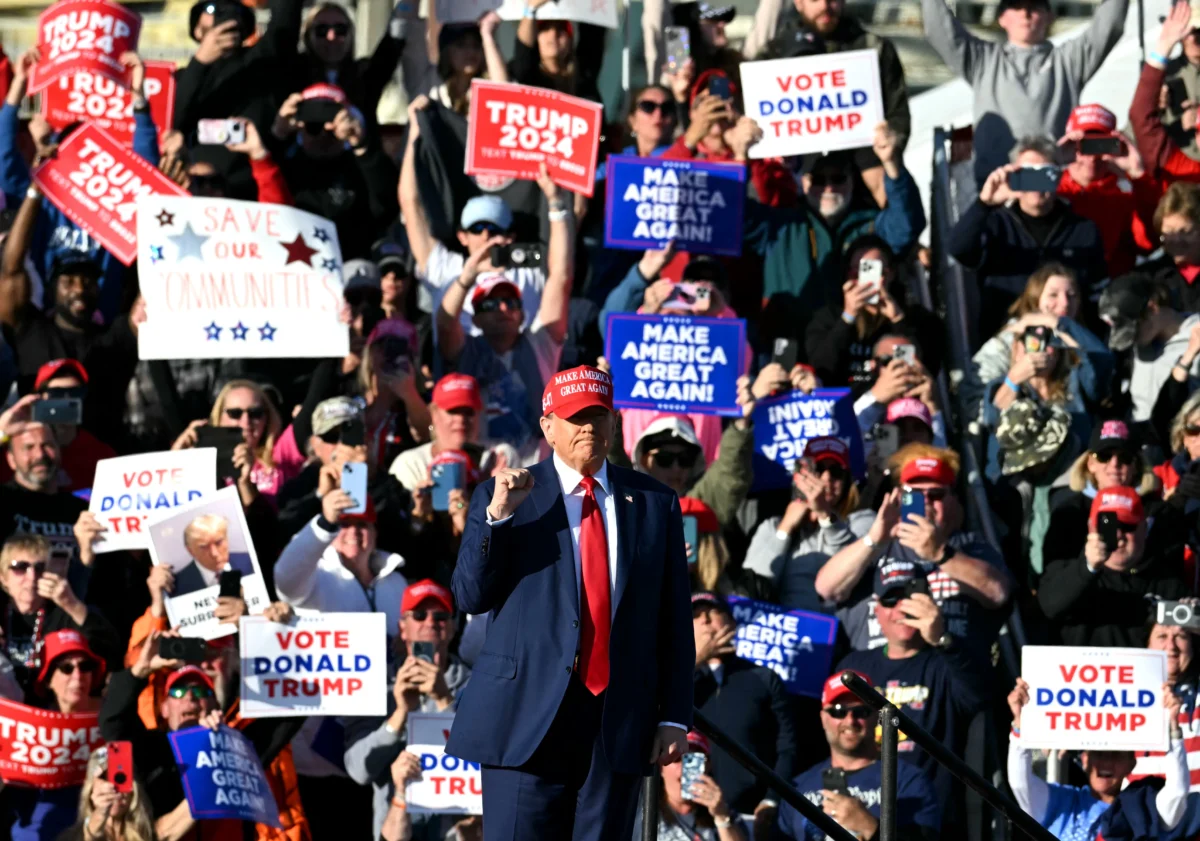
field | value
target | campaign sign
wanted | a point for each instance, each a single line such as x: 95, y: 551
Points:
x: 694, y: 204
x: 600, y: 12
x: 795, y: 644
x: 87, y: 35
x: 222, y: 776
x: 429, y: 728
x: 96, y: 182
x: 448, y: 785
x: 92, y: 98
x: 128, y: 490
x: 45, y: 749
x: 784, y: 424
x: 818, y: 103
x: 1083, y: 698
x: 228, y: 279
x: 326, y: 664
x: 676, y: 363
x: 512, y: 129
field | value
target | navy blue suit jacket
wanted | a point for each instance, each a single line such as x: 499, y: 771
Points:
x: 523, y: 573
x: 189, y: 579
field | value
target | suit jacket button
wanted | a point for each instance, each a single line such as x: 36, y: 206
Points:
x: 568, y: 669
x: 574, y: 623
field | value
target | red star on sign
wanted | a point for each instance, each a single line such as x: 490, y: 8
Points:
x: 298, y: 251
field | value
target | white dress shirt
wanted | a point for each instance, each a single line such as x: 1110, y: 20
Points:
x: 211, y: 579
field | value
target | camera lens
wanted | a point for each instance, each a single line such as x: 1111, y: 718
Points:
x: 1182, y: 613
x: 119, y: 778
x: 518, y: 255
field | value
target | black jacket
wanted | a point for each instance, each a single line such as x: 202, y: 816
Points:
x: 751, y: 705
x: 840, y: 357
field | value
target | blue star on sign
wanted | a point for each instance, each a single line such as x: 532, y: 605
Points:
x: 320, y: 235
x: 239, y: 331
x: 329, y: 264
x: 213, y: 331
x: 188, y: 243
x: 156, y: 253
x: 267, y: 332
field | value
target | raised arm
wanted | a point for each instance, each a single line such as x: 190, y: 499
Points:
x: 14, y: 279
x: 838, y: 576
x: 962, y: 51
x: 451, y: 339
x: 416, y: 225
x: 1087, y: 52
x: 497, y: 71
x: 560, y: 262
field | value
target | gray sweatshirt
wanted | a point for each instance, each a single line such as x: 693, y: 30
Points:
x: 1152, y: 365
x: 1021, y: 91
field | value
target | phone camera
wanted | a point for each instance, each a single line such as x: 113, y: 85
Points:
x: 1181, y: 614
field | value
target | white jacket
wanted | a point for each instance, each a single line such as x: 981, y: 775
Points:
x: 309, y: 576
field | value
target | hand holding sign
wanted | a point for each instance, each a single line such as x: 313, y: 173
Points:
x: 1017, y: 699
x: 88, y: 530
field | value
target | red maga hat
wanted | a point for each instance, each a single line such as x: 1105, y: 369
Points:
x: 572, y: 391
x: 1122, y: 501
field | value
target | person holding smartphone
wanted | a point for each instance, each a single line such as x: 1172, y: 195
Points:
x: 1101, y: 596
x: 847, y: 784
x: 699, y: 813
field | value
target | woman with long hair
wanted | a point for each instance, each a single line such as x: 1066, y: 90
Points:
x: 106, y: 814
x: 327, y: 51
x: 546, y: 55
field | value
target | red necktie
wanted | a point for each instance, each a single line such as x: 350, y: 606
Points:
x: 594, y: 599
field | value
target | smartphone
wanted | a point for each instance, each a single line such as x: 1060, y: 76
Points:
x: 678, y: 46
x: 1113, y: 146
x: 701, y: 293
x: 423, y: 651
x: 445, y: 477
x: 691, y: 537
x: 920, y: 584
x: 1106, y: 526
x: 1034, y: 179
x: 188, y: 649
x: 120, y: 766
x: 870, y: 275
x: 220, y: 132
x: 517, y: 255
x: 693, y: 766
x: 906, y: 354
x: 786, y: 353
x: 317, y: 112
x: 231, y: 584
x: 58, y: 410
x: 911, y: 503
x: 718, y: 86
x: 1181, y: 614
x: 354, y: 482
x: 225, y: 439
x: 1177, y: 93
x: 1036, y: 338
x: 887, y: 440
x: 834, y: 779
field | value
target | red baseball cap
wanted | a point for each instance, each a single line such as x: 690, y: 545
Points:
x: 706, y: 518
x: 60, y: 643
x: 1092, y: 119
x: 909, y: 407
x: 189, y: 672
x: 457, y: 391
x: 697, y: 741
x: 366, y: 518
x: 59, y: 367
x: 487, y: 285
x: 925, y: 467
x: 574, y: 390
x: 834, y: 690
x: 828, y: 447
x: 1122, y: 501
x: 323, y: 90
x: 426, y: 589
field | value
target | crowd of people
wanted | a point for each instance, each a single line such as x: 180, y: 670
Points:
x: 1080, y: 400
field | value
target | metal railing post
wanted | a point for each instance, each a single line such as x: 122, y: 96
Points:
x: 650, y: 807
x: 889, y: 724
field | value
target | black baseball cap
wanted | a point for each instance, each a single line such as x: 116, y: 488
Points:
x: 1112, y: 436
x: 1122, y: 305
x: 391, y: 256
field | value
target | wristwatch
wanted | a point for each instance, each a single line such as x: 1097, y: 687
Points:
x: 945, y: 642
x: 868, y: 542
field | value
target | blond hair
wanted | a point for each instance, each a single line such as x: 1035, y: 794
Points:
x: 33, y: 544
x: 712, y: 557
x: 1190, y: 407
x: 137, y: 825
x: 205, y: 524
x: 263, y: 454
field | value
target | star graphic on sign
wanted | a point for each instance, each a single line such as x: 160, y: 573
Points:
x: 329, y: 264
x: 298, y: 251
x: 320, y: 235
x: 188, y: 243
x: 156, y: 253
x: 164, y: 218
x: 239, y: 331
x: 267, y: 332
x: 213, y: 331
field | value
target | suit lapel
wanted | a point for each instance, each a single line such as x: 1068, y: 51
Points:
x: 626, y: 537
x: 547, y: 498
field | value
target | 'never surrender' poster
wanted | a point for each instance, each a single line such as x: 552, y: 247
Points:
x: 818, y: 103
x: 696, y: 205
x: 676, y: 363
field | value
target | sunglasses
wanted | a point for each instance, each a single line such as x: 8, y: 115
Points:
x: 341, y: 30
x: 1191, y: 430
x: 1123, y: 459
x: 649, y: 106
x: 22, y: 567
x: 931, y: 494
x: 420, y: 614
x: 196, y: 690
x: 840, y: 711
x: 489, y: 228
x: 85, y: 667
x: 670, y: 459
x: 829, y: 179
x: 254, y: 413
x: 836, y: 471
x: 494, y: 304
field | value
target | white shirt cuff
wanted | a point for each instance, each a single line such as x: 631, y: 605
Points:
x: 492, y: 522
x: 672, y: 724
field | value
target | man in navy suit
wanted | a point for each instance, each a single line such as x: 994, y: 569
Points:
x: 585, y: 677
x: 206, y: 539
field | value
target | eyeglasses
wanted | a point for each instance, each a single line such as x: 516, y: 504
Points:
x: 196, y: 690
x: 85, y: 667
x: 931, y: 494
x: 489, y: 228
x: 254, y: 413
x: 829, y: 179
x: 494, y: 304
x: 322, y: 30
x: 420, y: 614
x: 649, y: 106
x: 1123, y: 459
x: 22, y: 567
x: 836, y: 472
x: 840, y: 711
x: 668, y: 459
x: 1191, y: 430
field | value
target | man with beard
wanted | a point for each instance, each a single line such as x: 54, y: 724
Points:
x: 34, y: 502
x: 847, y: 785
